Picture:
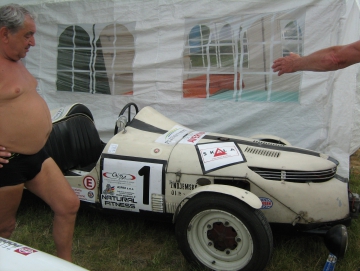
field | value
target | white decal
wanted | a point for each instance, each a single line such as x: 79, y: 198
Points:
x: 193, y: 138
x: 8, y: 244
x: 112, y: 148
x: 128, y: 185
x: 173, y: 136
x: 84, y: 194
x: 89, y: 182
x: 58, y: 114
x: 61, y: 112
x: 217, y: 155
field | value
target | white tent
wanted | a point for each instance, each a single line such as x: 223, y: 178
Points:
x: 186, y: 58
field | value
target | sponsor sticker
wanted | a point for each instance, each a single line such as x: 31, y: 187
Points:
x: 90, y: 194
x: 25, y: 251
x: 8, y: 244
x: 218, y: 155
x: 193, y: 138
x: 113, y: 148
x: 58, y: 114
x: 89, y: 182
x: 84, y: 194
x: 266, y: 203
x: 173, y: 136
x: 131, y: 188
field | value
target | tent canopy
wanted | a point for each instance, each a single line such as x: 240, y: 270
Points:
x: 205, y: 64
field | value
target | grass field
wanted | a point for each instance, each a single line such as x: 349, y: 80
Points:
x: 113, y: 243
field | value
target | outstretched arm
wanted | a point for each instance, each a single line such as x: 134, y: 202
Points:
x: 328, y: 59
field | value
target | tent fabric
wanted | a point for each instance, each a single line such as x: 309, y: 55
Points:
x: 187, y: 59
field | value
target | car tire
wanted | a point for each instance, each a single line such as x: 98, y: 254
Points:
x: 221, y: 232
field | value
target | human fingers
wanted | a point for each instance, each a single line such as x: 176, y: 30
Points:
x: 277, y: 66
x: 3, y: 155
x: 277, y: 62
x: 3, y: 161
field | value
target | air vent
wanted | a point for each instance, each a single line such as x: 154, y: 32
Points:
x: 273, y: 143
x: 295, y: 176
x: 263, y: 152
x: 157, y: 203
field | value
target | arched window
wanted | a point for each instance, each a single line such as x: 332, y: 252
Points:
x: 291, y: 36
x: 226, y: 47
x: 102, y: 66
x: 73, y: 62
x: 198, y: 41
x: 119, y: 51
x: 211, y: 51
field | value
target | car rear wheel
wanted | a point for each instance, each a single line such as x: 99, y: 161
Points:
x: 223, y: 233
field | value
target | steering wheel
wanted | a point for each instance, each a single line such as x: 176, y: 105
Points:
x: 128, y: 109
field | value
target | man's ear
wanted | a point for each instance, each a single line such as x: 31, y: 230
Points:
x: 4, y: 34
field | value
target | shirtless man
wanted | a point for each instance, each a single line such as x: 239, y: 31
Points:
x: 328, y: 59
x: 25, y: 125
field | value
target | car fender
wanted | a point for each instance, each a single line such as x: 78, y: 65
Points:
x: 246, y: 196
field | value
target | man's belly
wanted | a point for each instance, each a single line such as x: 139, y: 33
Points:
x: 25, y: 129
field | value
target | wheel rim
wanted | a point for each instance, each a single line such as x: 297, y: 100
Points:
x: 219, y: 240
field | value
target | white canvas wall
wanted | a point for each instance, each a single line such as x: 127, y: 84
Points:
x: 323, y: 117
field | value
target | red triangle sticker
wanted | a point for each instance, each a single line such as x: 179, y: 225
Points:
x: 219, y: 152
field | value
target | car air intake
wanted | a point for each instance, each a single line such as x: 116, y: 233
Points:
x: 263, y: 152
x: 294, y: 175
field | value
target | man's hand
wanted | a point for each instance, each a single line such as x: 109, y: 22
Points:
x: 285, y: 64
x: 4, y: 153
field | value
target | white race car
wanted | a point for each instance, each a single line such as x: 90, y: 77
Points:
x: 221, y: 191
x: 15, y: 257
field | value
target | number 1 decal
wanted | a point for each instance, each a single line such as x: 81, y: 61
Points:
x: 145, y: 172
x: 129, y: 184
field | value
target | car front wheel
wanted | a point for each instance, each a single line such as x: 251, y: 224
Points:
x: 223, y: 233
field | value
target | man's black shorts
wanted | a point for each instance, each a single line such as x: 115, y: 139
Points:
x: 22, y: 168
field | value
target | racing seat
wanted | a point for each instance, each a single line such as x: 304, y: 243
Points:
x: 74, y: 143
x: 80, y: 108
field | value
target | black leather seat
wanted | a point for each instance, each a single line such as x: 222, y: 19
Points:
x: 74, y: 143
x: 80, y: 108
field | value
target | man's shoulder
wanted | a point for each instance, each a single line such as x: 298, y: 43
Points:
x: 8, y: 67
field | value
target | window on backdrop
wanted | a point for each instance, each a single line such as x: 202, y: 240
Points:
x: 219, y: 55
x: 95, y: 59
x: 209, y: 60
x: 291, y: 37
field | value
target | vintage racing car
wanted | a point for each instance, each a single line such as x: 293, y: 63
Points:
x: 221, y: 191
x: 15, y: 256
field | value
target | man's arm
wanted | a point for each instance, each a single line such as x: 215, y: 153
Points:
x: 328, y: 59
x: 3, y: 153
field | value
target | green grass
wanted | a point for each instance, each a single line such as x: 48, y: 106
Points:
x: 107, y: 242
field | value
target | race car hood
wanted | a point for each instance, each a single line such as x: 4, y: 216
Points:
x: 152, y: 135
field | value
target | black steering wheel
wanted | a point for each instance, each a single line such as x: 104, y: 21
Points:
x: 128, y: 109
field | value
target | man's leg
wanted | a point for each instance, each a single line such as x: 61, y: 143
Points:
x: 10, y: 197
x: 51, y: 186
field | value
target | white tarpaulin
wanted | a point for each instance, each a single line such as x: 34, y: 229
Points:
x: 205, y: 64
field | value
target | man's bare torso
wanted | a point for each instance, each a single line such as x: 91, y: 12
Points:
x: 25, y: 121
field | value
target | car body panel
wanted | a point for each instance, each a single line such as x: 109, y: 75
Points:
x: 15, y: 256
x: 176, y: 157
